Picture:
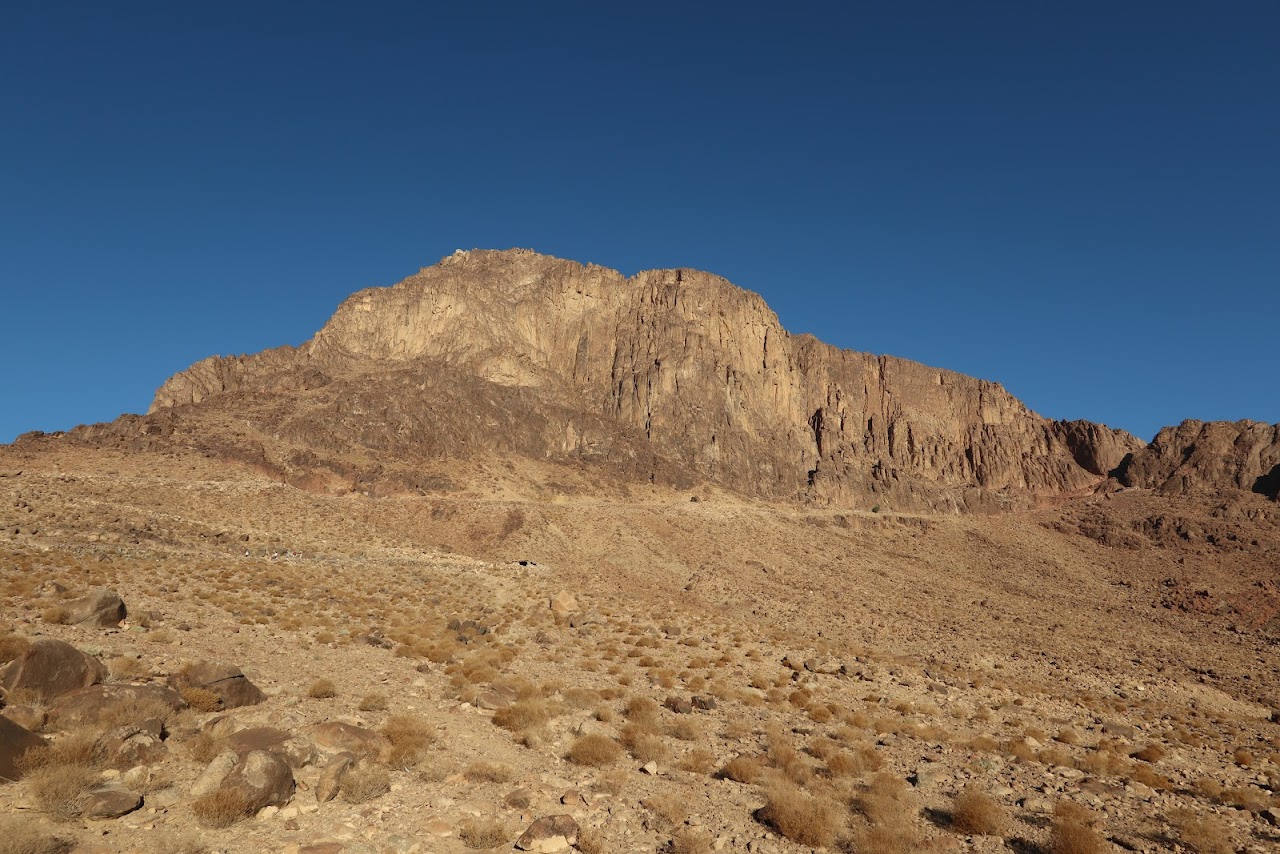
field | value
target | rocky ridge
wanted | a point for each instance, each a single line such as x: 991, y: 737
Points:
x: 670, y: 376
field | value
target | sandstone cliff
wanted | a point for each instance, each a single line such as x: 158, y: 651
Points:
x: 671, y: 375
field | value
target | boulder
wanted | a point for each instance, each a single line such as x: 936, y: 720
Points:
x: 679, y: 705
x: 564, y: 603
x: 210, y: 779
x: 133, y: 744
x: 331, y: 777
x: 110, y: 801
x: 26, y: 716
x: 226, y: 680
x: 339, y: 737
x: 86, y: 705
x: 263, y: 778
x: 100, y: 607
x: 494, y: 697
x: 50, y: 668
x: 295, y: 750
x: 549, y: 834
x: 14, y: 742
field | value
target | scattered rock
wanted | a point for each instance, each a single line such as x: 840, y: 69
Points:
x: 549, y: 834
x: 14, y: 742
x: 110, y: 801
x: 331, y: 777
x: 679, y: 705
x: 650, y: 768
x: 564, y: 603
x: 227, y: 681
x: 91, y: 704
x: 133, y: 744
x: 50, y: 668
x: 706, y: 703
x: 100, y: 607
x: 263, y: 778
x: 495, y: 697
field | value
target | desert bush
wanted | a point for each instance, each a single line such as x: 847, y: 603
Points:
x: 612, y: 782
x: 669, y: 808
x: 1150, y: 753
x: 742, y: 769
x: 484, y: 833
x: 409, y: 736
x: 489, y: 772
x: 590, y: 841
x: 59, y: 788
x: 1073, y: 832
x: 853, y: 763
x: 322, y: 689
x: 594, y: 749
x: 221, y: 808
x: 799, y: 816
x: 698, y: 761
x: 973, y: 812
x: 1205, y: 834
x: 643, y: 745
x: 364, y: 782
x: 689, y: 840
x: 642, y: 713
x: 24, y: 835
x: 373, y: 703
x: 522, y: 715
x: 200, y: 699
x: 887, y: 816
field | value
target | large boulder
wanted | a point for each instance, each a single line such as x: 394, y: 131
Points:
x: 263, y: 778
x: 337, y: 737
x: 549, y: 834
x: 227, y: 681
x: 51, y: 668
x: 128, y: 746
x: 296, y: 750
x: 14, y: 742
x: 120, y: 702
x: 100, y: 607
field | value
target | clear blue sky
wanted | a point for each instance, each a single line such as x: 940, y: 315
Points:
x: 1079, y: 200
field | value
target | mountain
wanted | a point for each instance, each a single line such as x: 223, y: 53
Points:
x: 674, y: 377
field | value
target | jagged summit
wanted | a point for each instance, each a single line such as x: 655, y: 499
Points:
x: 672, y: 376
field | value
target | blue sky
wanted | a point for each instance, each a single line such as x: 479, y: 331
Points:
x: 1079, y: 200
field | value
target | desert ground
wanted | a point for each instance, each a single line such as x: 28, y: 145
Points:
x: 670, y: 670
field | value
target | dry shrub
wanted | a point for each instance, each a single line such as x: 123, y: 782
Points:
x: 522, y: 715
x: 131, y: 711
x: 642, y: 713
x: 973, y: 812
x: 1144, y: 775
x: 203, y: 747
x: 1150, y: 753
x: 854, y: 763
x: 54, y: 614
x: 12, y: 646
x: 669, y: 808
x: 364, y: 782
x: 612, y: 782
x: 594, y: 749
x: 643, y: 744
x: 1242, y: 757
x: 888, y: 814
x: 23, y: 835
x: 126, y: 667
x: 200, y: 699
x: 484, y: 833
x: 1205, y: 834
x: 686, y: 729
x: 221, y: 808
x: 1073, y: 831
x: 799, y: 816
x: 699, y: 761
x: 743, y: 769
x: 591, y: 842
x: 59, y: 789
x: 409, y: 737
x: 689, y: 840
x: 322, y: 689
x: 373, y: 703
x: 489, y: 772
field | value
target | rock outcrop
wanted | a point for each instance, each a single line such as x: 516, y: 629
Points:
x: 669, y: 376
x: 1198, y: 456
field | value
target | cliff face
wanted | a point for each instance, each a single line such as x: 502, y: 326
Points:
x: 1197, y: 456
x: 670, y: 375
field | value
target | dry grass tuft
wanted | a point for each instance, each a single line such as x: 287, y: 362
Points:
x: 410, y: 736
x: 322, y: 689
x: 59, y: 789
x: 489, y: 772
x: 484, y: 833
x: 799, y: 816
x: 523, y: 715
x: 200, y: 699
x: 373, y: 703
x: 222, y: 808
x: 365, y: 782
x: 742, y: 769
x: 23, y: 835
x: 689, y: 840
x: 973, y: 812
x: 1203, y: 833
x: 699, y: 761
x: 1073, y: 832
x: 594, y: 749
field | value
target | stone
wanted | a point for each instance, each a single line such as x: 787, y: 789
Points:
x: 650, y: 768
x: 15, y: 741
x: 564, y: 603
x: 264, y: 778
x: 825, y: 666
x: 1037, y: 806
x: 86, y: 705
x: 226, y: 680
x: 50, y: 668
x: 26, y: 716
x: 336, y: 736
x: 296, y: 750
x: 704, y: 702
x: 332, y: 776
x: 210, y: 779
x: 99, y: 608
x: 110, y: 801
x: 927, y: 776
x: 495, y: 697
x: 679, y: 705
x: 549, y: 834
x: 133, y: 744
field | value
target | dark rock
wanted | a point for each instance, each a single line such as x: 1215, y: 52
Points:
x: 51, y: 668
x: 549, y: 834
x: 225, y: 680
x: 14, y: 742
x: 100, y: 607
